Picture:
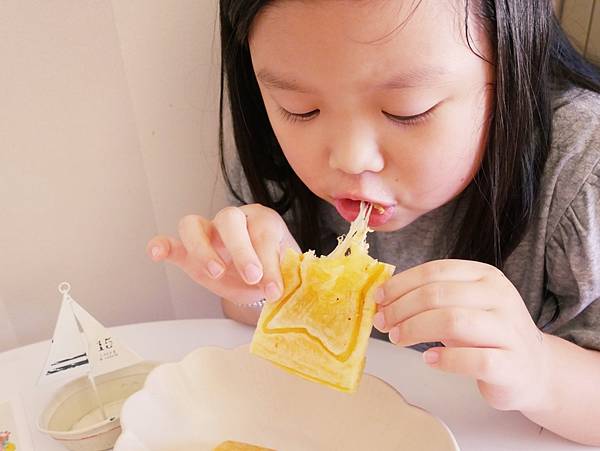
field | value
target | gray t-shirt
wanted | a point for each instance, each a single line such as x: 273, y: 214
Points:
x: 556, y: 266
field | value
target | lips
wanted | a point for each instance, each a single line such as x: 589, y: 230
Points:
x: 349, y: 208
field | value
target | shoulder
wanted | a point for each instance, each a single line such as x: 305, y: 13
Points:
x: 570, y: 202
x: 575, y: 103
x: 573, y: 166
x: 576, y: 125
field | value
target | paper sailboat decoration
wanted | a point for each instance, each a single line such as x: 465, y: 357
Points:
x: 81, y: 342
x: 84, y: 414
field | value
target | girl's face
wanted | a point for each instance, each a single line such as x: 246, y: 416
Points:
x: 373, y: 101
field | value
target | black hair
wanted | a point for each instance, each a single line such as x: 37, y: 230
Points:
x: 533, y: 59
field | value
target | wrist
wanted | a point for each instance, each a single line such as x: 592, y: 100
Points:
x: 543, y: 387
x: 246, y: 314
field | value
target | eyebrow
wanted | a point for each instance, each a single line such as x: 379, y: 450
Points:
x: 277, y: 81
x: 410, y: 79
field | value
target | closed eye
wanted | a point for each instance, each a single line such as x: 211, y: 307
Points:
x: 410, y: 120
x: 295, y: 117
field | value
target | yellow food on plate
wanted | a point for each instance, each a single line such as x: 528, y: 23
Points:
x: 320, y: 327
x: 230, y: 445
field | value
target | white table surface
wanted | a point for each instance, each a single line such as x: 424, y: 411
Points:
x: 453, y: 399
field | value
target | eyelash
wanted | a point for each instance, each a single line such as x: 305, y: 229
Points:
x: 397, y: 120
x: 410, y: 120
x: 298, y: 117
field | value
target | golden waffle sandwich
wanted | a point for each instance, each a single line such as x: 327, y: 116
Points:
x: 320, y: 327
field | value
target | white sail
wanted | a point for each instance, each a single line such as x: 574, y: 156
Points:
x: 68, y: 350
x: 80, y: 343
x: 105, y: 352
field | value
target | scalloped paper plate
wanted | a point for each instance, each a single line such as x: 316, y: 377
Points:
x: 214, y: 395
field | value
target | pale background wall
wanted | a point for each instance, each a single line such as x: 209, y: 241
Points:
x: 581, y: 20
x: 107, y: 137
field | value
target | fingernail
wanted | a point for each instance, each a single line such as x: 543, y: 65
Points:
x: 156, y: 251
x: 394, y: 335
x: 379, y: 321
x: 272, y: 292
x: 252, y: 273
x: 431, y: 356
x: 215, y: 269
x: 378, y: 295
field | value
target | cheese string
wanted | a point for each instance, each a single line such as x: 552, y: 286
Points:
x: 356, y: 238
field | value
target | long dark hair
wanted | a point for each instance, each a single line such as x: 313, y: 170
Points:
x: 533, y: 58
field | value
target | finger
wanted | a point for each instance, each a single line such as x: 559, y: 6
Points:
x: 270, y: 238
x: 434, y: 271
x: 287, y: 242
x: 486, y: 364
x: 166, y: 248
x: 232, y: 227
x: 195, y: 232
x: 435, y: 296
x: 469, y: 327
x: 266, y: 221
x: 268, y: 253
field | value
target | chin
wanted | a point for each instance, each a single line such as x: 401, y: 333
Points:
x: 397, y: 223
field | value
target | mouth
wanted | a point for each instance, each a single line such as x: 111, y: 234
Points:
x: 348, y: 209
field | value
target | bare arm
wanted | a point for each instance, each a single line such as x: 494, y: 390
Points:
x: 570, y: 402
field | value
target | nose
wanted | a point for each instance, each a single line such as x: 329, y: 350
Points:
x: 354, y: 150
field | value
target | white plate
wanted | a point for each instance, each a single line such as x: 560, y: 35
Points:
x: 214, y: 395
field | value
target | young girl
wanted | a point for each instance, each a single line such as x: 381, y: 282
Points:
x: 476, y: 126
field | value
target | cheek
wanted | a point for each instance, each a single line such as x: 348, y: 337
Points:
x: 302, y: 151
x: 443, y: 159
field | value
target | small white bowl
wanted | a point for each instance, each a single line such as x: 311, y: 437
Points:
x: 214, y: 395
x: 73, y: 417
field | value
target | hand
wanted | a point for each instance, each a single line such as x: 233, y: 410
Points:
x: 476, y: 312
x: 236, y: 255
